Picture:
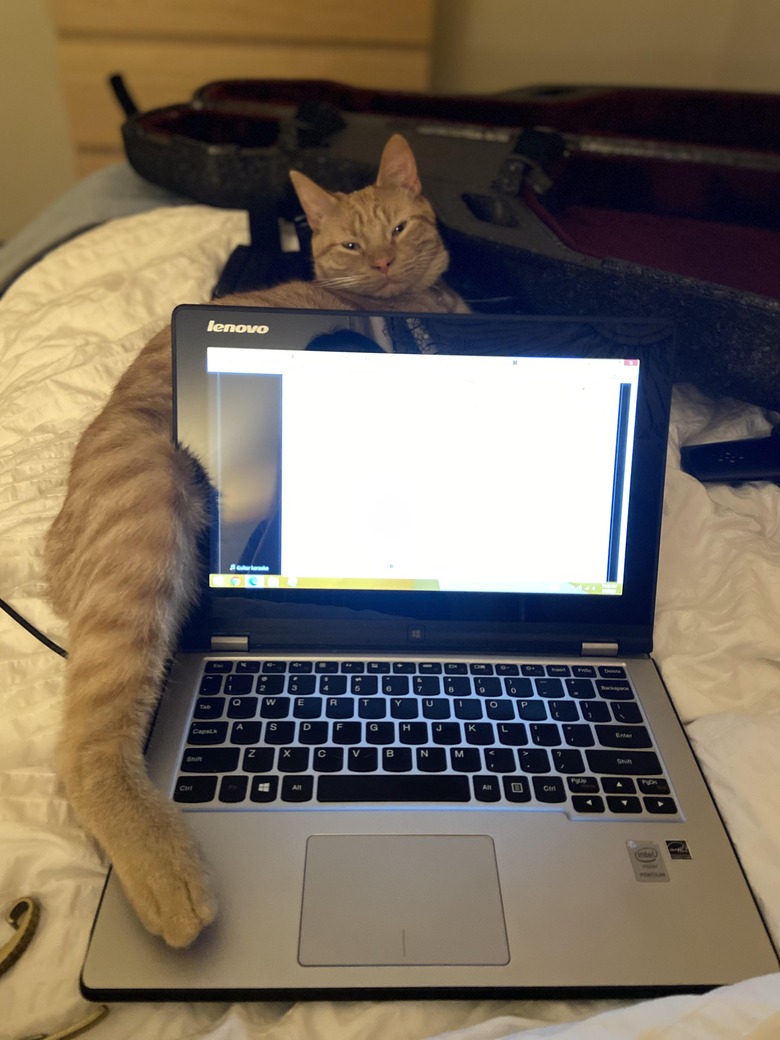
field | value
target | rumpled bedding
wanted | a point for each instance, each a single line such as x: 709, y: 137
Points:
x: 68, y: 327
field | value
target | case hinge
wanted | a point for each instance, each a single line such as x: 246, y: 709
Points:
x: 230, y: 644
x: 599, y: 650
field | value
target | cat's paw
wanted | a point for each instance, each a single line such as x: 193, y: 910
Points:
x: 169, y: 890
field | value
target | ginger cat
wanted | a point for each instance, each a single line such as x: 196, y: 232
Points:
x: 119, y: 554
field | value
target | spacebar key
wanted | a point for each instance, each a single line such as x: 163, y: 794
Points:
x: 393, y: 789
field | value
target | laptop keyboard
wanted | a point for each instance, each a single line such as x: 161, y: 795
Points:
x: 281, y: 733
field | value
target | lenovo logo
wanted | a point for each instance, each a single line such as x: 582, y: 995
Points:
x: 217, y: 326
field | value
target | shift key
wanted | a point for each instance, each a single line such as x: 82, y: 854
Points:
x: 624, y: 763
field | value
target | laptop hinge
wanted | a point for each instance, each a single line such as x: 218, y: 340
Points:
x: 599, y: 649
x: 230, y: 644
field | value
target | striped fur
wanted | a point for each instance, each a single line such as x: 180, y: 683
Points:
x: 119, y: 555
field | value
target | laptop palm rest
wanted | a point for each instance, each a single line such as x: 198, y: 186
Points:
x: 401, y: 900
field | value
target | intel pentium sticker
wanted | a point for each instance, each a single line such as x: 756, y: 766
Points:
x: 647, y: 861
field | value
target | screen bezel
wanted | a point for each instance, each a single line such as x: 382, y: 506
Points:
x: 396, y: 619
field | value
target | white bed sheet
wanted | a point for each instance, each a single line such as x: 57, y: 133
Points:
x: 68, y: 328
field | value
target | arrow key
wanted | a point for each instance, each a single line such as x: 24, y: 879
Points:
x: 584, y: 803
x: 629, y: 804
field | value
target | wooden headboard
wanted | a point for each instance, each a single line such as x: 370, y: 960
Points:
x: 166, y: 49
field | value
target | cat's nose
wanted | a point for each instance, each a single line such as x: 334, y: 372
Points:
x: 383, y: 264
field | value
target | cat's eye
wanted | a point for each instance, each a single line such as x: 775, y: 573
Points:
x: 350, y: 245
x: 399, y: 228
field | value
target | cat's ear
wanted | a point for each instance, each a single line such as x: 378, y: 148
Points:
x: 397, y: 168
x: 317, y: 203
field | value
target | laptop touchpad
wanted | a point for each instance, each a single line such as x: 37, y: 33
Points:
x: 401, y: 899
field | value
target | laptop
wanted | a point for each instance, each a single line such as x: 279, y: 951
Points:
x: 414, y: 722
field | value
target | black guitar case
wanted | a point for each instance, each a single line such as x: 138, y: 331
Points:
x: 634, y: 202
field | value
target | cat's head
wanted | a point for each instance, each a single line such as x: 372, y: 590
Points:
x: 380, y: 241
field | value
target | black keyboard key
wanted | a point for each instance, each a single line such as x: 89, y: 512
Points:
x: 426, y: 685
x: 430, y: 668
x: 293, y: 760
x: 327, y: 759
x: 275, y: 707
x: 340, y: 708
x: 499, y: 711
x: 545, y: 734
x: 446, y: 733
x: 612, y: 671
x: 297, y: 788
x: 336, y: 685
x: 583, y: 784
x: 519, y: 687
x: 438, y: 709
x: 274, y: 666
x: 500, y: 760
x: 480, y: 734
x: 277, y: 733
x: 595, y: 711
x: 578, y: 735
x: 301, y: 667
x: 467, y: 709
x: 378, y: 667
x: 258, y: 760
x: 487, y: 788
x: 660, y: 806
x: 487, y: 687
x: 403, y: 708
x: 400, y: 788
x: 349, y: 667
x: 507, y: 669
x: 218, y: 666
x: 558, y: 670
x: 458, y: 686
x: 480, y: 668
x: 397, y: 760
x: 549, y: 687
x: 208, y: 708
x: 413, y: 733
x: 242, y: 707
x: 531, y: 711
x: 380, y: 733
x: 549, y: 789
x: 626, y: 712
x: 581, y: 689
x: 512, y: 734
x: 615, y: 690
x: 372, y: 708
x: 532, y: 669
x: 618, y: 785
x: 625, y: 804
x: 465, y: 760
x: 586, y: 803
x: 563, y: 711
x: 270, y: 684
x: 567, y: 760
x: 307, y: 707
x: 516, y: 789
x: 326, y: 667
x: 363, y: 685
x: 534, y: 760
x: 245, y: 733
x: 455, y: 668
x: 624, y: 736
x: 211, y: 684
x: 583, y: 671
x: 301, y: 685
x: 209, y: 760
x: 347, y: 732
x: 404, y: 667
x: 653, y: 785
x: 395, y: 685
x: 264, y: 788
x: 252, y: 667
x: 362, y: 759
x: 193, y: 789
x: 624, y: 763
x: 233, y: 788
x: 202, y: 733
x: 431, y: 760
x: 239, y: 685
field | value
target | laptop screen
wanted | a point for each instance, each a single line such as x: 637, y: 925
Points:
x: 380, y: 471
x: 432, y: 478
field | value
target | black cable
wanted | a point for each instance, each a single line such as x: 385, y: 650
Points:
x: 17, y: 617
